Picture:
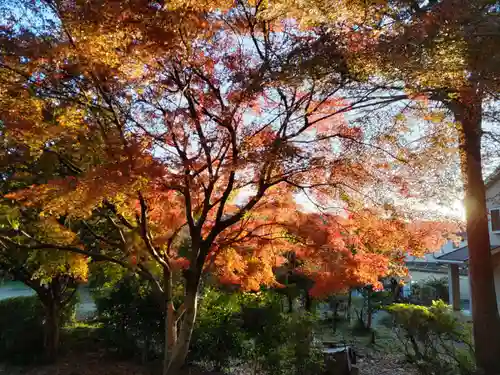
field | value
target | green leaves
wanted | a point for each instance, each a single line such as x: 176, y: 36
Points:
x: 435, y: 341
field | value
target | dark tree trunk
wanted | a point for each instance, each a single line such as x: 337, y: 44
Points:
x: 369, y: 308
x: 486, y: 324
x: 349, y: 305
x: 51, y: 330
x: 290, y: 303
x: 335, y: 315
x: 308, y: 302
x: 395, y: 290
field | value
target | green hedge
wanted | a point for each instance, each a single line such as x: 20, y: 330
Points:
x: 132, y: 320
x: 434, y: 340
x: 22, y: 331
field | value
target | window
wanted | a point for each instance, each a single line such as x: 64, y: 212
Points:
x: 495, y: 220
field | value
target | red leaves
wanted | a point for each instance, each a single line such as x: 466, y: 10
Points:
x: 218, y: 131
x: 180, y: 263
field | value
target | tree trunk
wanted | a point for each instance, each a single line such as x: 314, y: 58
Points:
x: 395, y: 290
x: 397, y: 293
x: 170, y: 320
x: 290, y: 303
x: 308, y: 301
x: 51, y: 330
x: 335, y: 315
x: 349, y: 305
x: 181, y: 348
x: 486, y: 322
x: 369, y: 309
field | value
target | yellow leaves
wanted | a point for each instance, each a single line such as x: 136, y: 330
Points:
x: 42, y: 264
x: 50, y: 231
x: 71, y: 117
x: 314, y: 12
x: 48, y: 264
x: 400, y: 117
x: 100, y: 46
x: 435, y: 117
x: 79, y: 267
x: 23, y: 117
x: 447, y: 65
x: 204, y: 5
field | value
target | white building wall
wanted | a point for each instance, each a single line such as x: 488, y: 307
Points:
x: 421, y: 276
x: 493, y: 201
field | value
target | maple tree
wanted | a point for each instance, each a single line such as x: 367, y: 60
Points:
x: 190, y: 134
x: 53, y: 275
x: 437, y: 52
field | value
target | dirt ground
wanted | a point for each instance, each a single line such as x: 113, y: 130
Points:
x: 79, y: 364
x: 377, y: 363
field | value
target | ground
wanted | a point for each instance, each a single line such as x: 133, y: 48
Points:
x: 381, y: 358
x: 80, y: 364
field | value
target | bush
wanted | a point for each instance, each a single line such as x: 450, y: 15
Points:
x: 281, y: 343
x: 250, y: 327
x: 433, y: 289
x: 133, y: 322
x: 434, y: 340
x: 286, y: 346
x: 22, y: 330
x: 231, y: 328
x: 218, y: 340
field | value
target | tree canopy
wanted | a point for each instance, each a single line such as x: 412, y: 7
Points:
x: 190, y: 136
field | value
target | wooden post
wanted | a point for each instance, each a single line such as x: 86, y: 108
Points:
x: 454, y: 286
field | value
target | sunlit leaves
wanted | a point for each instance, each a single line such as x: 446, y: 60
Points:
x: 204, y: 128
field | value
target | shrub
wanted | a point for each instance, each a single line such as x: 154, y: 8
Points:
x: 22, y: 330
x: 427, y: 291
x: 433, y: 339
x: 367, y: 306
x: 439, y: 288
x: 231, y: 328
x: 133, y: 322
x: 250, y: 327
x: 218, y: 340
x: 307, y: 357
x: 281, y: 343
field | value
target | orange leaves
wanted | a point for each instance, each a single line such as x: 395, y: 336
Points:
x: 213, y: 118
x: 262, y: 139
x: 341, y: 252
x: 337, y: 252
x: 245, y: 269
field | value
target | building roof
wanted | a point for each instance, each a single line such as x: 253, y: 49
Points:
x: 427, y: 266
x: 493, y: 177
x: 460, y: 255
